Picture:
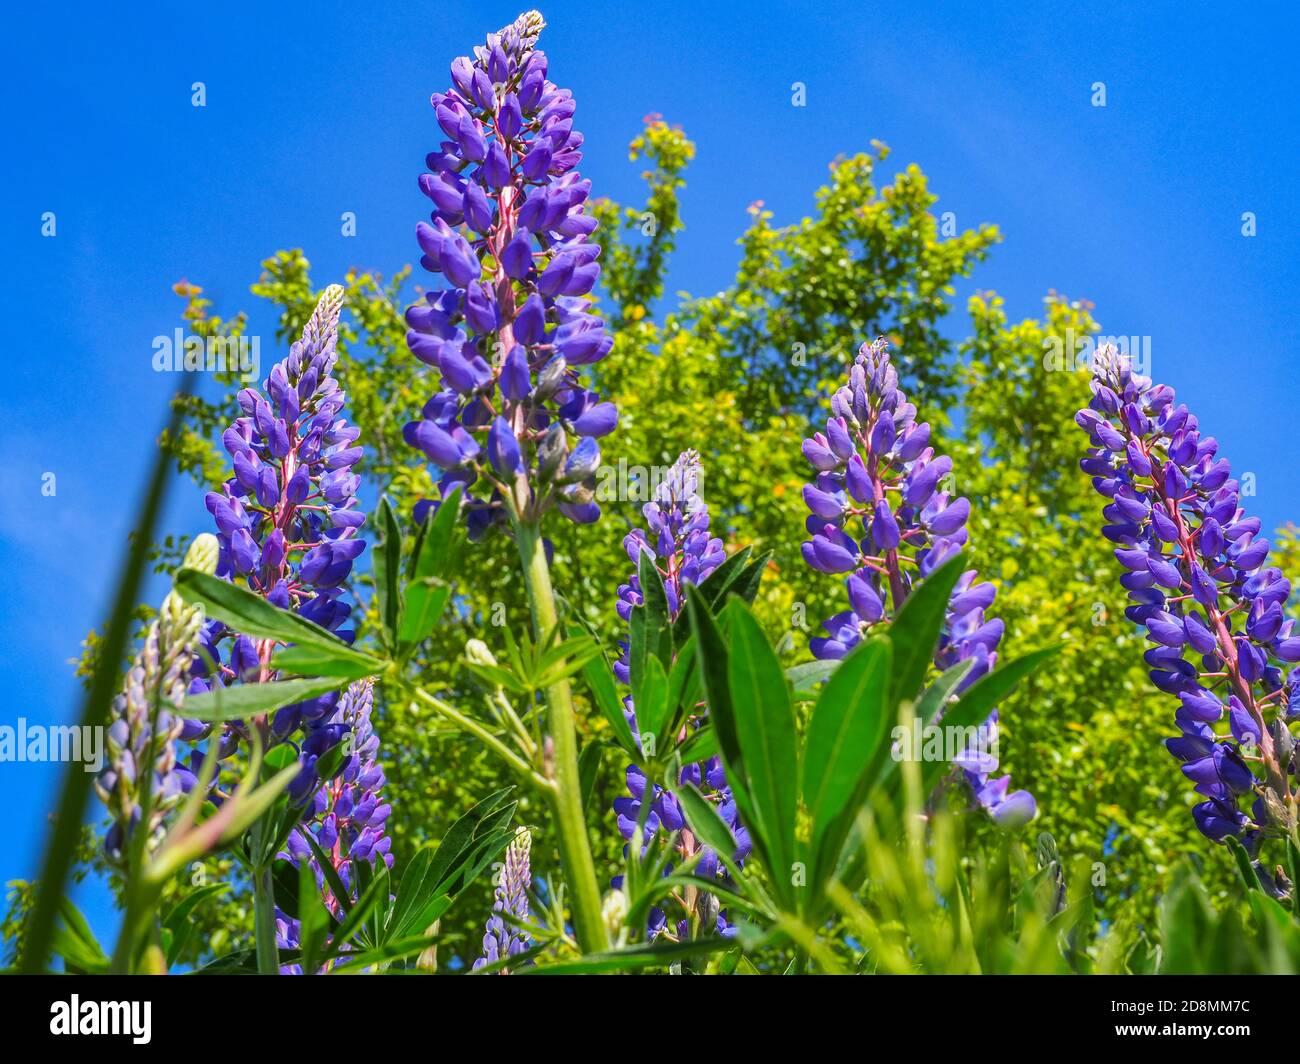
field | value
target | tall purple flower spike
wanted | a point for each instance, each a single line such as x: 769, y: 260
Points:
x: 1198, y: 577
x: 677, y: 539
x: 877, y: 476
x: 288, y: 523
x: 347, y: 815
x: 509, y: 327
x: 502, y: 939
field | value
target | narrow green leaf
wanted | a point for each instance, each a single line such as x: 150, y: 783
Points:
x: 712, y: 651
x: 915, y: 629
x: 253, y: 699
x: 805, y: 679
x: 714, y: 587
x: 589, y: 770
x: 339, y: 661
x: 387, y: 564
x: 849, y: 723
x: 708, y: 826
x: 764, y: 721
x: 647, y: 627
x: 249, y: 613
x: 650, y: 703
x: 600, y: 681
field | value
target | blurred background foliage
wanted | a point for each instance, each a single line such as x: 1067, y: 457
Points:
x: 739, y: 375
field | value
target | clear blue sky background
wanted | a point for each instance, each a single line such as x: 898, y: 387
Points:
x: 313, y: 110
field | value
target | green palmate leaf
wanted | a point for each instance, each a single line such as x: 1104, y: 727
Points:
x: 805, y: 679
x: 253, y: 699
x: 387, y: 564
x: 915, y: 629
x: 849, y: 724
x: 600, y: 681
x: 564, y: 660
x: 434, y: 870
x: 765, y: 729
x: 339, y: 661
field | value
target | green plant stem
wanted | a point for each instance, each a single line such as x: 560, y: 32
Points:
x: 566, y: 797
x: 268, y: 954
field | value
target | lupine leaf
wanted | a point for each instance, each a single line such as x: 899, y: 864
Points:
x: 427, y: 591
x: 915, y: 629
x: 848, y: 725
x: 708, y: 826
x: 712, y: 652
x: 600, y: 681
x: 764, y: 722
x: 325, y: 661
x: 251, y: 614
x: 387, y: 564
x: 252, y: 699
x: 806, y: 678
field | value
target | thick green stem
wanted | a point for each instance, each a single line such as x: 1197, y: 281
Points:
x: 268, y: 954
x: 566, y: 797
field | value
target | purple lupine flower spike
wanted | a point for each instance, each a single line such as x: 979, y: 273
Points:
x: 502, y: 939
x: 677, y: 539
x: 141, y: 740
x: 347, y: 815
x: 288, y: 520
x: 878, y: 478
x: 510, y: 237
x: 1198, y: 577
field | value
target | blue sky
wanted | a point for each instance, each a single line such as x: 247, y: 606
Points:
x: 314, y: 110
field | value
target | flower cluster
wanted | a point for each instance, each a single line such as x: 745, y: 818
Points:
x: 684, y: 553
x: 1199, y: 581
x: 502, y: 939
x: 347, y: 814
x: 877, y: 474
x: 510, y: 240
x: 145, y: 726
x: 288, y: 521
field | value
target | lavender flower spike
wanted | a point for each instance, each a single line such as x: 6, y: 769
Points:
x: 145, y: 721
x: 1198, y: 576
x: 877, y: 478
x: 513, y: 424
x: 501, y: 938
x: 288, y: 521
